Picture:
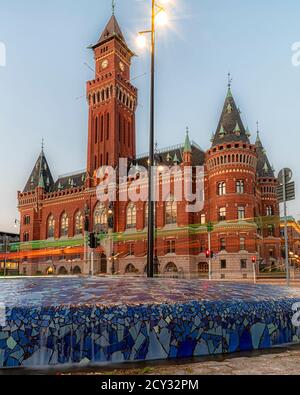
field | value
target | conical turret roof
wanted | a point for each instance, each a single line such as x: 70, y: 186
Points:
x: 40, y: 176
x: 230, y: 127
x: 264, y: 168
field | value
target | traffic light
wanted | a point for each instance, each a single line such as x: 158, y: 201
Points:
x: 209, y: 254
x: 93, y: 242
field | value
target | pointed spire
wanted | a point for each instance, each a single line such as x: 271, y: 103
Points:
x: 237, y: 129
x: 248, y: 134
x: 264, y: 168
x: 222, y: 131
x: 187, y: 144
x: 230, y: 127
x: 41, y: 175
x: 176, y: 160
x: 258, y: 142
x: 229, y: 94
x: 112, y: 30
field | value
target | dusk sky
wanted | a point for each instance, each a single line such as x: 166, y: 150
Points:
x: 42, y: 92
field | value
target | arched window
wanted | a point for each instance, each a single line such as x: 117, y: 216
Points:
x: 78, y: 223
x: 269, y: 211
x: 64, y: 225
x: 240, y: 186
x: 171, y: 268
x: 26, y: 237
x: 222, y: 188
x: 50, y: 227
x: 171, y: 211
x: 100, y: 218
x: 130, y: 269
x: 131, y: 216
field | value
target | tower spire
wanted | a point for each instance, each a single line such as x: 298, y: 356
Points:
x: 229, y: 80
x: 229, y: 94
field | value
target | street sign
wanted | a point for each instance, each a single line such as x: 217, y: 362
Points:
x: 285, y: 193
x: 290, y: 192
x: 285, y: 175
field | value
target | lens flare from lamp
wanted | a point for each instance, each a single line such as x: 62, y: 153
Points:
x: 141, y: 41
x: 162, y: 18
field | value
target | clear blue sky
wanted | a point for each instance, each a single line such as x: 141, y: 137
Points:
x: 43, y: 86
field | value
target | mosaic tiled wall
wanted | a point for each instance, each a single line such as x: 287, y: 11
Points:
x: 43, y: 336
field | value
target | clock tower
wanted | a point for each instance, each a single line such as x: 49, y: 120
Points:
x: 112, y: 102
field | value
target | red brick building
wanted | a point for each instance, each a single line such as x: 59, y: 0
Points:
x: 240, y: 192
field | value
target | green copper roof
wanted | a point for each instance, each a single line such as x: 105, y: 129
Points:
x: 187, y: 144
x: 41, y: 182
x: 229, y: 94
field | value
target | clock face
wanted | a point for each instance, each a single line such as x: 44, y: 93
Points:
x: 104, y: 64
x: 122, y: 67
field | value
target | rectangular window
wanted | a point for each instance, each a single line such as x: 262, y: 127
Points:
x: 222, y: 214
x: 241, y: 212
x: 242, y: 244
x: 243, y: 264
x: 222, y: 244
x: 27, y: 220
x: 171, y: 247
x: 131, y: 249
x: 223, y: 264
x: 240, y: 186
x: 271, y: 230
x: 203, y: 219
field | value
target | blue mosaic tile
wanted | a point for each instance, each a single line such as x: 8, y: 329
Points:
x: 116, y: 320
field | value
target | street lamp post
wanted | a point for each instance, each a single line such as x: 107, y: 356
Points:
x: 151, y: 231
x: 156, y: 9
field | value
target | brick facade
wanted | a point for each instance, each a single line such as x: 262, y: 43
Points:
x: 240, y: 192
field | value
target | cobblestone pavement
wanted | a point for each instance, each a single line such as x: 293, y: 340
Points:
x: 281, y: 361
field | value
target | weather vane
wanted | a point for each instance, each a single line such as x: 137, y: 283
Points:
x: 257, y: 124
x: 43, y: 144
x: 229, y: 80
x: 113, y: 6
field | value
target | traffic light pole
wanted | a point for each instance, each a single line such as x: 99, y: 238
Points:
x: 6, y: 251
x: 209, y: 262
x: 286, y: 241
x: 92, y: 264
x: 254, y: 270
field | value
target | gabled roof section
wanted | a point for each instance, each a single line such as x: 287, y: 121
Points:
x: 230, y: 127
x: 40, y: 176
x: 168, y: 156
x: 264, y: 168
x: 69, y: 181
x: 112, y: 29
